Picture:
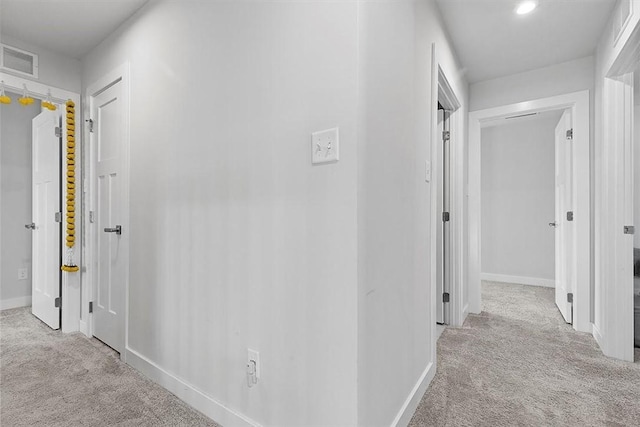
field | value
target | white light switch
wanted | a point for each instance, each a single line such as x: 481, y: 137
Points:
x: 324, y: 146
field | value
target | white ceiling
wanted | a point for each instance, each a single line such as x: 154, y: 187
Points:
x: 492, y: 41
x: 69, y: 27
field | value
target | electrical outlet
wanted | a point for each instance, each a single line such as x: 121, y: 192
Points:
x: 23, y: 274
x: 254, y: 357
x: 324, y: 146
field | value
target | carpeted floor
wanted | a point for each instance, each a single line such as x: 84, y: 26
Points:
x: 519, y: 364
x: 52, y: 379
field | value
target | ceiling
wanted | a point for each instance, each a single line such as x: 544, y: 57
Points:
x: 69, y: 27
x: 492, y: 41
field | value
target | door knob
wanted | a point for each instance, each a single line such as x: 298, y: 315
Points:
x: 31, y: 226
x: 117, y: 229
x: 553, y: 224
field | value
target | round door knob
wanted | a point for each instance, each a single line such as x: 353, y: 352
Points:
x: 553, y: 224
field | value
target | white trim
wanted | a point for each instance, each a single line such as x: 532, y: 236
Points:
x: 518, y: 280
x: 71, y: 282
x: 9, y: 303
x: 189, y: 393
x: 411, y: 403
x: 597, y: 335
x: 581, y: 283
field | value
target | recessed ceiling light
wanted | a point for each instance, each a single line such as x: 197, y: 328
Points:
x: 526, y: 7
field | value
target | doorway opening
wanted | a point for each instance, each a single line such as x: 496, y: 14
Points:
x: 447, y: 203
x: 570, y: 211
x: 527, y: 214
x: 34, y: 196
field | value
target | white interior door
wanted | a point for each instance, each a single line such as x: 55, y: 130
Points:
x: 564, y: 222
x: 107, y: 114
x: 443, y: 247
x: 45, y: 226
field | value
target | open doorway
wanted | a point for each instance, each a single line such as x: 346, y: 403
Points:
x: 527, y: 197
x: 32, y: 173
x: 571, y: 140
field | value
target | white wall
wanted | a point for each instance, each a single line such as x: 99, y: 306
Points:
x: 395, y: 303
x: 54, y: 69
x: 237, y: 241
x: 567, y: 77
x: 518, y: 198
x: 15, y: 204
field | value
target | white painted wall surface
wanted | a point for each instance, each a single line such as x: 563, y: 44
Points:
x: 237, y: 241
x: 518, y: 199
x: 395, y: 303
x: 566, y: 77
x: 15, y: 201
x: 53, y: 68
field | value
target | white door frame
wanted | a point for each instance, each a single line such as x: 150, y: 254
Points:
x: 120, y: 74
x: 441, y: 88
x: 614, y: 259
x: 578, y: 102
x: 70, y: 281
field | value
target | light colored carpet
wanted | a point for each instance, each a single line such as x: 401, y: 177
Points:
x: 519, y: 364
x: 52, y: 379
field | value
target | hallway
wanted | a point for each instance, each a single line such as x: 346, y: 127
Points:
x: 518, y: 363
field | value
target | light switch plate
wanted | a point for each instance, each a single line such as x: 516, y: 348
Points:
x: 325, y: 146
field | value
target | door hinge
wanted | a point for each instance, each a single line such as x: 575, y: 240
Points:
x: 58, y: 132
x: 90, y: 306
x: 570, y: 298
x: 58, y: 216
x: 446, y: 135
x: 92, y: 217
x: 57, y: 302
x: 445, y: 297
x: 570, y: 216
x: 629, y: 229
x: 570, y: 134
x: 445, y: 216
x: 90, y: 121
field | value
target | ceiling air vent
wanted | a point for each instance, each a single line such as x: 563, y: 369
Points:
x: 18, y: 61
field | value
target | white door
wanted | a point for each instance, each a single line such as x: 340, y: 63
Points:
x: 563, y: 222
x: 107, y: 139
x: 443, y: 258
x: 46, y: 229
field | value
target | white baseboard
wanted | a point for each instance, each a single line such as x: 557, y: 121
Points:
x: 8, y: 303
x: 189, y: 393
x: 520, y: 280
x: 411, y: 404
x: 465, y: 312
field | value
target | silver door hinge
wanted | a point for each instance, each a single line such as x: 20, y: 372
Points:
x: 92, y: 217
x: 570, y: 216
x: 58, y: 132
x: 58, y: 216
x: 57, y: 302
x: 629, y: 229
x: 445, y: 216
x: 446, y: 135
x: 90, y: 121
x: 90, y: 306
x: 570, y: 134
x: 570, y: 298
x: 445, y: 297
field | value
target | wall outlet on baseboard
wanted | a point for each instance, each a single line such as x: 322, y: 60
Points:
x: 23, y: 274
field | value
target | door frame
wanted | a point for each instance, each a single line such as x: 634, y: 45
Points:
x: 578, y: 102
x: 71, y: 282
x: 441, y: 89
x: 614, y: 263
x: 120, y: 74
